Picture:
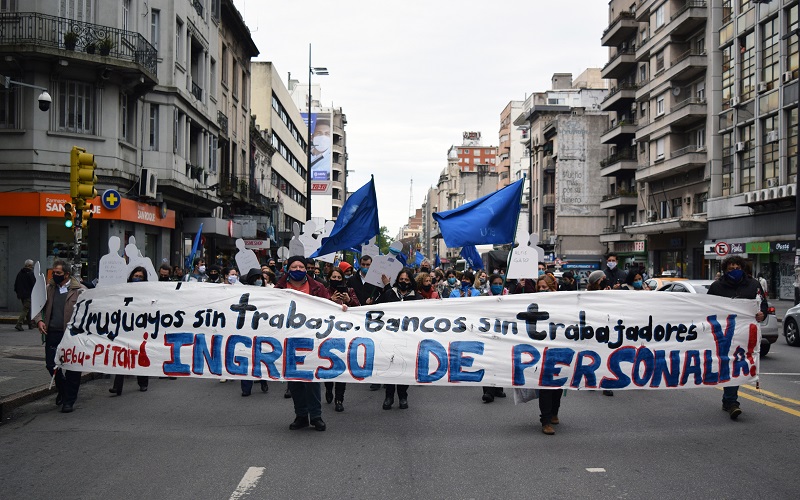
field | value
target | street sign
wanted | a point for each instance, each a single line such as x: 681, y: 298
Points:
x: 721, y: 248
x: 111, y: 199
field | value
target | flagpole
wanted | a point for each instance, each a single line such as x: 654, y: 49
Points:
x: 516, y: 228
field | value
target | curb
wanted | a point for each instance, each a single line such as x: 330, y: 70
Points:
x: 20, y: 398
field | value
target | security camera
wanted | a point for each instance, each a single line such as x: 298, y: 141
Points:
x: 44, y: 101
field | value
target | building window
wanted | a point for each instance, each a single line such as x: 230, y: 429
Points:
x: 727, y: 76
x: 124, y: 117
x: 8, y: 6
x: 727, y: 163
x: 126, y: 9
x: 701, y: 203
x: 700, y: 91
x: 748, y: 64
x: 9, y: 107
x: 748, y: 167
x: 660, y: 16
x: 660, y: 61
x: 792, y: 60
x: 178, y: 41
x: 244, y: 89
x: 659, y: 105
x: 154, y: 127
x: 700, y: 139
x: 235, y: 83
x: 660, y: 149
x: 76, y: 111
x: 155, y: 25
x: 663, y: 209
x: 770, y: 159
x: 212, y: 74
x: 643, y: 73
x: 770, y: 54
x: 677, y: 207
x: 476, y: 152
x: 224, y: 63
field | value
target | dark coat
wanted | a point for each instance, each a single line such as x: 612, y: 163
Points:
x: 24, y: 283
x: 615, y: 276
x: 363, y: 290
x: 390, y: 294
x: 747, y: 288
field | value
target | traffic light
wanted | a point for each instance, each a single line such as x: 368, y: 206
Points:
x: 69, y: 215
x: 86, y: 215
x: 82, y: 170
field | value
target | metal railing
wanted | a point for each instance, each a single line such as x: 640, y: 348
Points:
x: 33, y: 28
x: 622, y: 15
x: 222, y: 121
x: 692, y: 4
x: 686, y: 102
x: 692, y: 148
x: 620, y: 53
x: 618, y: 88
x: 619, y: 124
x: 622, y: 155
x: 549, y: 199
x: 689, y: 53
x: 619, y: 194
x: 197, y: 92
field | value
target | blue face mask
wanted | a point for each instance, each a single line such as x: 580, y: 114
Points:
x: 298, y: 275
x: 637, y: 285
x: 735, y: 275
x: 136, y: 280
x: 465, y: 284
x: 364, y: 270
x: 451, y: 280
x: 497, y: 289
x: 541, y: 272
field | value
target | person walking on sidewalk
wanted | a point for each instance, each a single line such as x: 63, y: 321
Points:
x: 62, y: 294
x: 23, y: 286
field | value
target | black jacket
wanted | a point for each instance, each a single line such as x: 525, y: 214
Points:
x: 747, y: 288
x: 24, y: 283
x: 363, y: 290
x: 390, y: 294
x: 615, y: 276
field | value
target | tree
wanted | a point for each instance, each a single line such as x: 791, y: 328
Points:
x: 384, y: 240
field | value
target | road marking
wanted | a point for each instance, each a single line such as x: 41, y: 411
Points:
x: 771, y: 394
x: 3, y: 379
x: 248, y: 482
x: 761, y: 400
x: 595, y: 469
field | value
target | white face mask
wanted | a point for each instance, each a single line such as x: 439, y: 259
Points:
x: 611, y: 264
x: 202, y: 269
x: 233, y: 279
x: 322, y: 142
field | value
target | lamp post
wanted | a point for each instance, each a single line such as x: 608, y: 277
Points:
x: 311, y: 71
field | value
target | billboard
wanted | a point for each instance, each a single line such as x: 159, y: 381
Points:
x: 321, y: 151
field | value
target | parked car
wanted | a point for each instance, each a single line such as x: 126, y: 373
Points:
x: 790, y: 328
x: 657, y: 282
x: 769, y: 327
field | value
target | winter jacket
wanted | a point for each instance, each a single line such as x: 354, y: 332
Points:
x: 24, y: 283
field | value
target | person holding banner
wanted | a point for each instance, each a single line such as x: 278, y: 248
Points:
x: 466, y: 290
x: 735, y: 284
x: 496, y: 285
x: 305, y: 395
x: 549, y: 399
x: 403, y: 289
x: 62, y: 295
x: 341, y: 294
x: 138, y: 274
x: 253, y: 278
x: 231, y: 276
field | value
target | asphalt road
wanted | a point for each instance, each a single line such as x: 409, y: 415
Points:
x: 197, y: 439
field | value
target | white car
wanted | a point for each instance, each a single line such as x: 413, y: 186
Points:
x: 790, y: 328
x: 769, y: 327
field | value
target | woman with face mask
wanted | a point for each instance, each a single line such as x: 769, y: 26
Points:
x: 253, y: 278
x: 139, y: 274
x: 635, y: 281
x: 448, y: 284
x: 466, y: 289
x: 305, y: 395
x: 425, y: 286
x: 549, y: 399
x: 214, y: 275
x: 403, y: 289
x: 496, y: 285
x: 340, y: 293
x: 230, y: 276
x: 481, y: 283
x: 494, y: 288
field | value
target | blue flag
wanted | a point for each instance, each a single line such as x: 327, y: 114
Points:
x: 357, y: 221
x: 491, y: 219
x: 437, y: 262
x: 190, y: 258
x: 471, y: 255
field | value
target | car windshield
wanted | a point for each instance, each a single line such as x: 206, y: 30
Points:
x: 701, y: 288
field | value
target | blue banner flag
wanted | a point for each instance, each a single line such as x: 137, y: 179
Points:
x: 357, y: 221
x: 491, y: 219
x: 437, y: 262
x: 190, y: 258
x: 471, y: 255
x: 419, y: 259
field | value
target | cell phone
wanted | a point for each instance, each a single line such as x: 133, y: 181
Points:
x: 341, y: 288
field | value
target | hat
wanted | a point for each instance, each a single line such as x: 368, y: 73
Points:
x: 344, y: 266
x: 253, y: 275
x: 294, y: 258
x: 596, y: 277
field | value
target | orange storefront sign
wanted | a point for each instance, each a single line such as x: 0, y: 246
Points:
x: 52, y: 205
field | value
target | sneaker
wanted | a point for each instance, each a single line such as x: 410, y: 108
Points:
x: 287, y: 394
x: 548, y: 429
x: 554, y: 420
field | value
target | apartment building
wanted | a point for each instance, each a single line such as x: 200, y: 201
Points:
x: 564, y: 126
x: 513, y: 158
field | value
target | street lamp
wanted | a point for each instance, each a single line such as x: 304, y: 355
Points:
x: 322, y: 71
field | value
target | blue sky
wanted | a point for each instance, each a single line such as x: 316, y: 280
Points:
x: 412, y: 76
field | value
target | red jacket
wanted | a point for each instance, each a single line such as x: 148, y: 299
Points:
x: 315, y: 288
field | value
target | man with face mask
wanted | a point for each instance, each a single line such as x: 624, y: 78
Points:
x: 616, y: 277
x: 366, y: 293
x: 735, y: 284
x: 62, y: 294
x: 321, y: 142
x: 448, y: 284
x: 164, y: 273
x: 213, y: 275
x: 198, y: 271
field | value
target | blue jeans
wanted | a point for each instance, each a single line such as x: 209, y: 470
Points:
x: 730, y: 396
x: 306, y: 397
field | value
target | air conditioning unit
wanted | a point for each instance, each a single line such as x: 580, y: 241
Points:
x: 772, y: 182
x: 148, y: 183
x: 740, y: 146
x: 762, y: 87
x: 734, y: 101
x: 651, y: 216
x: 772, y: 136
x: 786, y: 77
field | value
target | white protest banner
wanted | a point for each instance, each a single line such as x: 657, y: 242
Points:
x: 572, y: 340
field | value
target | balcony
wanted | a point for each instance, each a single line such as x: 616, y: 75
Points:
x: 197, y: 92
x: 549, y: 200
x: 688, y: 18
x: 695, y: 222
x: 680, y: 160
x: 549, y: 165
x: 616, y: 163
x: 620, y: 97
x: 31, y: 32
x: 688, y: 112
x: 643, y: 10
x: 621, y: 29
x: 619, y: 199
x: 621, y: 65
x: 686, y: 66
x: 613, y: 234
x: 222, y: 121
x: 617, y: 131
